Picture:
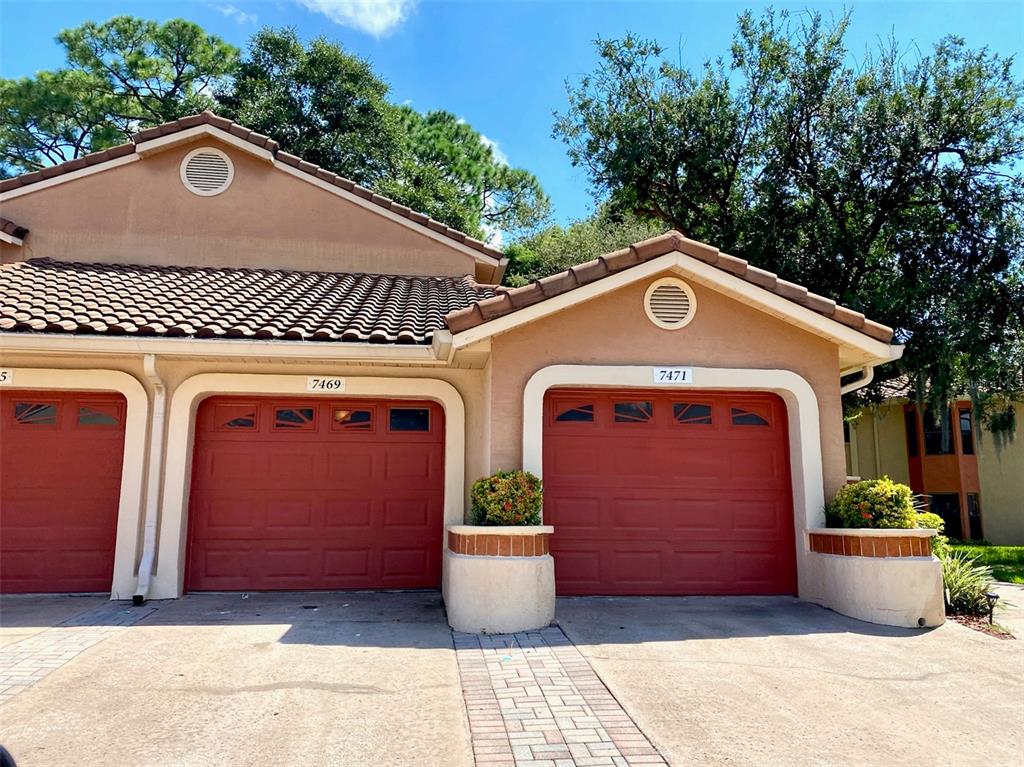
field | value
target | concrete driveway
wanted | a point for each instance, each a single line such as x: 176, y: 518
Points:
x: 775, y: 681
x: 318, y: 679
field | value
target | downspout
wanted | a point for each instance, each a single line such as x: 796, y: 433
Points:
x: 156, y: 463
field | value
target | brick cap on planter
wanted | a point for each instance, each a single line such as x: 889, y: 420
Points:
x: 499, y: 541
x: 501, y: 529
x: 875, y: 532
x: 892, y: 543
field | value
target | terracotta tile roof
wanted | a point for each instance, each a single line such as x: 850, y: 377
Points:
x: 9, y: 227
x: 204, y: 302
x: 257, y: 139
x: 508, y: 301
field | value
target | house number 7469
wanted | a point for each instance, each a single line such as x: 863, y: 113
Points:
x: 325, y: 383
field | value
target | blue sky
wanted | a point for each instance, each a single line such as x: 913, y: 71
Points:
x: 502, y: 65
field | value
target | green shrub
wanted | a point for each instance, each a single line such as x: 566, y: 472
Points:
x: 965, y: 583
x: 507, y: 498
x: 928, y: 521
x: 879, y: 503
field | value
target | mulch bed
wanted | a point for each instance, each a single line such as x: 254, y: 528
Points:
x: 981, y: 624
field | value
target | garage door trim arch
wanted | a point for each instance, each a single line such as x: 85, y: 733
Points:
x: 133, y: 464
x: 168, y: 581
x: 801, y: 404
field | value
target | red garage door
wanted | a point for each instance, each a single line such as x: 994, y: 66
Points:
x: 316, y: 494
x: 60, y: 483
x: 686, y: 492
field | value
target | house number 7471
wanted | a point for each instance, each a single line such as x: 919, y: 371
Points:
x: 672, y: 375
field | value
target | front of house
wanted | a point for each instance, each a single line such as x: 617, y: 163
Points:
x: 224, y: 368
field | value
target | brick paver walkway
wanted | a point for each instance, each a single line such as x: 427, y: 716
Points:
x: 24, y: 663
x: 534, y: 701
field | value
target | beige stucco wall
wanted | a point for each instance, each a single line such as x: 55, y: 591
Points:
x: 614, y: 330
x: 1001, y: 470
x: 880, y: 426
x: 141, y: 213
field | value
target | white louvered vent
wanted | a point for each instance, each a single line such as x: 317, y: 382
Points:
x: 670, y: 303
x: 207, y: 171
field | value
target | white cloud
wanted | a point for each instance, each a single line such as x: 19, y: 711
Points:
x: 375, y: 17
x: 233, y: 12
x: 499, y: 156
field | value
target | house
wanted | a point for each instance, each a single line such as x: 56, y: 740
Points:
x: 224, y: 368
x: 970, y: 478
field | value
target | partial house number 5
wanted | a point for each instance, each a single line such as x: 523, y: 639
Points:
x: 325, y: 383
x: 672, y: 375
x: 6, y: 376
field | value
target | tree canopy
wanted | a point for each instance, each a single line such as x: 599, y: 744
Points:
x: 317, y: 100
x: 555, y: 248
x: 892, y: 185
x: 122, y: 75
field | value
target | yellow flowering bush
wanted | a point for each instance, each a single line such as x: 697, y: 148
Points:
x: 879, y: 503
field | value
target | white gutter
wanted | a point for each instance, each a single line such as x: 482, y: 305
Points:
x: 156, y: 463
x: 209, y: 347
x: 868, y: 375
x: 868, y: 371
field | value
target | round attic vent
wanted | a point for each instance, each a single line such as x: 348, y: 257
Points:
x: 670, y: 303
x: 207, y: 171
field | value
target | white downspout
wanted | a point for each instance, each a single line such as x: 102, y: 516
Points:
x: 156, y: 464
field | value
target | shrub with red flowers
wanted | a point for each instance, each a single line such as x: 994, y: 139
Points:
x: 873, y: 503
x: 507, y: 498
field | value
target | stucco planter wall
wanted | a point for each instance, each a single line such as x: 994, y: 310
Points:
x: 498, y: 579
x: 882, y: 576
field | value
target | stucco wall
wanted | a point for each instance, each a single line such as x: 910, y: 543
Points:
x: 882, y: 425
x: 141, y: 213
x: 1001, y: 469
x: 614, y: 330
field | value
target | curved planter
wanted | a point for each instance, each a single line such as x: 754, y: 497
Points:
x: 881, y: 576
x: 498, y: 580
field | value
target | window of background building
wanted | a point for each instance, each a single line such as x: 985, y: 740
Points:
x: 910, y: 419
x: 966, y: 431
x: 933, y: 443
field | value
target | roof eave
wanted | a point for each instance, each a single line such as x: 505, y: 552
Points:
x: 237, y: 348
x: 856, y: 348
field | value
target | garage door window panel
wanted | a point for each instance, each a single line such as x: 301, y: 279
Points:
x: 295, y: 418
x: 236, y: 417
x: 574, y: 413
x: 100, y: 414
x: 748, y: 416
x: 36, y: 414
x: 352, y: 418
x: 634, y: 412
x: 409, y: 419
x: 692, y: 413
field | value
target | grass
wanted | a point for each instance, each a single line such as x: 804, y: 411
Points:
x: 1007, y: 562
